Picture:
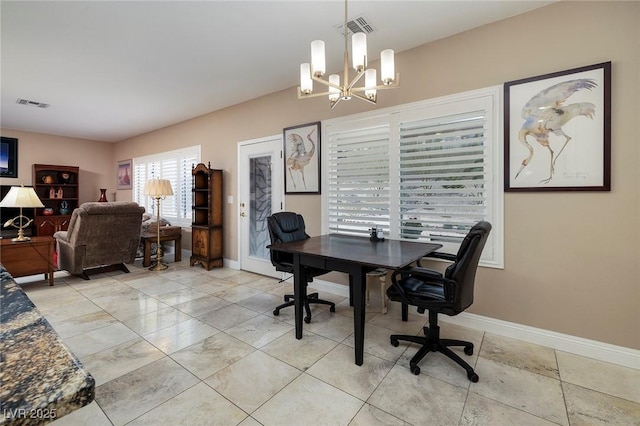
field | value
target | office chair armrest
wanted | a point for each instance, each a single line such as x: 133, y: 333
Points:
x: 420, y: 273
x: 438, y: 255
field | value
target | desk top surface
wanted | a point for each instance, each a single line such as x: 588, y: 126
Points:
x: 392, y: 254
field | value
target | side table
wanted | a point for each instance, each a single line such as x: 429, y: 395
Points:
x: 152, y: 237
x: 22, y: 258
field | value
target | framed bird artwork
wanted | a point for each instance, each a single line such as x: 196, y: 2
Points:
x: 557, y: 131
x: 302, y: 158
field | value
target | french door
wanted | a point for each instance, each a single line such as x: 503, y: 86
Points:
x: 260, y: 193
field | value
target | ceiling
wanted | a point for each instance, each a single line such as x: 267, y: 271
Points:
x: 111, y: 70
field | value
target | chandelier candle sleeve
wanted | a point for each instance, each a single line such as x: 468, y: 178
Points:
x: 306, y: 84
x: 334, y: 93
x: 369, y: 83
x: 387, y: 66
x: 317, y: 58
x: 359, y: 47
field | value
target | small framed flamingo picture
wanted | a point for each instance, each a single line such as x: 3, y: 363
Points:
x: 557, y: 131
x: 302, y: 159
x: 125, y: 174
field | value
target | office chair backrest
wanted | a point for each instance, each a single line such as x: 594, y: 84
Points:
x: 463, y: 270
x: 285, y: 227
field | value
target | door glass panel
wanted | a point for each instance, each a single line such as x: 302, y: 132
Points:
x: 259, y: 206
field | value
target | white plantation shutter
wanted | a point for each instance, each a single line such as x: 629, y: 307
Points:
x: 358, y: 179
x: 174, y: 166
x: 425, y: 171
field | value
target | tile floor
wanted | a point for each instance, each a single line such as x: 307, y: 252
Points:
x: 187, y: 346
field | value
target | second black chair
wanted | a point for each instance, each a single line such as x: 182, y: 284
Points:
x: 449, y: 293
x: 286, y: 227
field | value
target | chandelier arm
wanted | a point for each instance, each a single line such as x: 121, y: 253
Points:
x: 363, y: 98
x: 355, y: 80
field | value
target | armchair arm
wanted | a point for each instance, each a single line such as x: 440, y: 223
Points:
x: 417, y: 272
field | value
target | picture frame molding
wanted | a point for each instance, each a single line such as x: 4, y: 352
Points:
x: 604, y: 116
x: 312, y: 168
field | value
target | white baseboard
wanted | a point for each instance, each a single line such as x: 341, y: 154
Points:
x: 563, y: 342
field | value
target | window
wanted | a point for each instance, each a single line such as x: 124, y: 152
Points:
x: 425, y: 171
x: 176, y: 167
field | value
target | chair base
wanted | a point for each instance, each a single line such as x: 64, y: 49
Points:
x: 100, y: 269
x: 432, y: 342
x: 311, y: 298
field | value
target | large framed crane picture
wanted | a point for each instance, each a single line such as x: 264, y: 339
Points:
x: 302, y: 159
x: 557, y: 131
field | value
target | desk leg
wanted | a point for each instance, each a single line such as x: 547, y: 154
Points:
x: 146, y: 261
x: 299, y: 293
x: 359, y: 285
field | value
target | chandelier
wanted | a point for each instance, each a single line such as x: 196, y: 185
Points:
x: 315, y: 71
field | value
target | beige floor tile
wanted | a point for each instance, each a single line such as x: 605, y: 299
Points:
x: 120, y: 360
x: 212, y: 354
x: 180, y: 335
x: 601, y: 376
x: 343, y: 308
x: 82, y: 324
x: 516, y: 353
x: 237, y: 293
x: 135, y: 393
x: 377, y: 343
x: 132, y: 304
x: 87, y: 415
x: 259, y: 331
x: 249, y: 421
x: 302, y: 353
x: 253, y: 380
x: 202, y: 305
x: 308, y: 401
x: 228, y: 316
x: 62, y: 312
x: 156, y: 287
x: 180, y: 296
x: 534, y: 393
x: 330, y: 325
x: 419, y: 400
x: 339, y: 369
x: 589, y: 407
x: 392, y: 320
x: 156, y: 320
x: 263, y: 303
x: 481, y: 411
x: 98, y: 340
x: 199, y: 405
x: 372, y: 416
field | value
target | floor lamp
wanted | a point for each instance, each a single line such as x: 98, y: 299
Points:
x: 158, y: 189
x: 19, y: 196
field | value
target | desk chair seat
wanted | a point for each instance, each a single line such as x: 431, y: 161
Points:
x: 449, y: 293
x: 286, y: 227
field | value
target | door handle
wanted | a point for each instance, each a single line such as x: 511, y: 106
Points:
x: 242, y: 214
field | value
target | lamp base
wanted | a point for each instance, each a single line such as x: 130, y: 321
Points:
x: 158, y: 266
x: 21, y: 238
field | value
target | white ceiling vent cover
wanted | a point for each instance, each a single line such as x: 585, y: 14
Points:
x: 357, y: 25
x: 32, y: 103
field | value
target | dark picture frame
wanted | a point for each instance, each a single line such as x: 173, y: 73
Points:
x: 301, y: 148
x: 8, y: 157
x: 557, y: 131
x: 124, y: 174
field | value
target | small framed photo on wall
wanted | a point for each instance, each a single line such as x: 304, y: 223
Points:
x: 124, y: 174
x: 302, y: 159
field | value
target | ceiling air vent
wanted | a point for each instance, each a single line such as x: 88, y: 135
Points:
x: 357, y: 25
x: 27, y: 102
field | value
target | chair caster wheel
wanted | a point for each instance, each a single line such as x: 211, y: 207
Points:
x: 307, y: 319
x: 332, y: 309
x: 276, y: 312
x: 468, y: 350
x: 395, y: 343
x: 473, y: 377
x: 415, y: 370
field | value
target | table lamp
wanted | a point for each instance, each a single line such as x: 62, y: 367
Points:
x: 158, y: 189
x: 19, y: 196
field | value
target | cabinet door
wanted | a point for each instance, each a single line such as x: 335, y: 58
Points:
x: 200, y: 242
x: 46, y: 226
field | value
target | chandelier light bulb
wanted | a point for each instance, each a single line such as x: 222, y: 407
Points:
x: 359, y: 51
x: 306, y: 83
x: 387, y: 67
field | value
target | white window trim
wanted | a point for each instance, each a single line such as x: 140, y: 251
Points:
x: 442, y: 105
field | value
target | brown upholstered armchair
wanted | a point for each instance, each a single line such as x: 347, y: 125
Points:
x: 100, y: 235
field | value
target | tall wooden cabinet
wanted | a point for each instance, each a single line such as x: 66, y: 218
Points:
x: 58, y: 188
x: 206, y: 225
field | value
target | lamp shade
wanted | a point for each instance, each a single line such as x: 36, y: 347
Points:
x: 19, y: 196
x: 157, y: 188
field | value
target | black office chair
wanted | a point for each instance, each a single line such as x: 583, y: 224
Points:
x: 285, y: 227
x: 448, y: 294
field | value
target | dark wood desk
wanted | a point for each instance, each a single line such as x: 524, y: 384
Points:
x: 32, y: 257
x: 355, y: 256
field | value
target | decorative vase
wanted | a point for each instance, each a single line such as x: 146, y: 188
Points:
x: 64, y: 208
x: 103, y: 195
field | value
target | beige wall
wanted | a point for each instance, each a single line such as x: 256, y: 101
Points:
x: 571, y: 259
x: 95, y: 159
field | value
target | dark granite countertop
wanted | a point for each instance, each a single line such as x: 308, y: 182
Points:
x: 40, y: 378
